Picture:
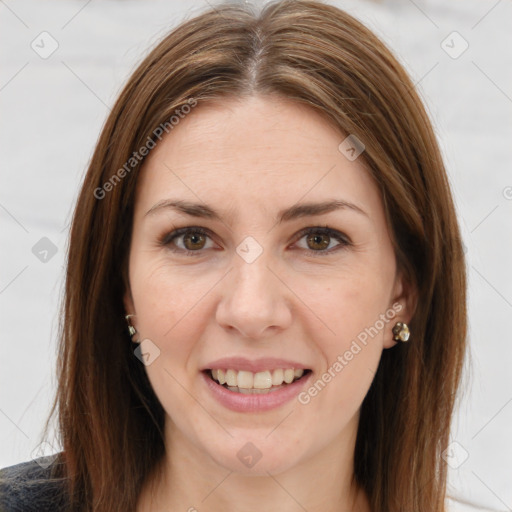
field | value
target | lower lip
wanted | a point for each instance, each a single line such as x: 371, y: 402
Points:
x: 240, y: 402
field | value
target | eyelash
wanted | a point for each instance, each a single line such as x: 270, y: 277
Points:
x: 324, y: 230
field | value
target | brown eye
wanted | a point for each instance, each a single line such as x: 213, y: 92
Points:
x: 189, y: 241
x: 318, y: 241
x: 194, y: 241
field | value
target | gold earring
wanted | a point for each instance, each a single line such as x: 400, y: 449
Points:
x: 401, y: 332
x: 131, y: 329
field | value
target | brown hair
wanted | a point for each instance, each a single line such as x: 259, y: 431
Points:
x: 110, y: 421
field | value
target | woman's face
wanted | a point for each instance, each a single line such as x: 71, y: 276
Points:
x: 253, y: 292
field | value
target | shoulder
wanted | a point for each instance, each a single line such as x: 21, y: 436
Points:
x: 32, y: 486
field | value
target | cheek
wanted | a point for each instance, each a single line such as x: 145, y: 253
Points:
x: 353, y: 307
x: 163, y: 297
x: 347, y: 302
x: 169, y: 308
x: 169, y: 312
x: 350, y: 356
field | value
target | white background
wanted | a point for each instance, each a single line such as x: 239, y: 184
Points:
x: 52, y: 111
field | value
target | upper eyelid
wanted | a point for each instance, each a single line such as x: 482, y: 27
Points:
x: 332, y: 232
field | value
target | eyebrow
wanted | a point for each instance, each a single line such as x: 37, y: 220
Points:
x: 294, y: 212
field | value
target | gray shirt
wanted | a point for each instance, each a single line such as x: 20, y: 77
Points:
x: 30, y: 486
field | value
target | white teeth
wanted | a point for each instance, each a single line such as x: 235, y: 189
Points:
x: 262, y: 380
x: 231, y: 378
x: 248, y: 382
x: 277, y: 377
x: 289, y: 375
x: 245, y: 379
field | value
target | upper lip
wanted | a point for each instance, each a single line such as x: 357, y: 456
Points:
x: 253, y: 365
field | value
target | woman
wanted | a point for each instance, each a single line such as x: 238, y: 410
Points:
x: 266, y: 294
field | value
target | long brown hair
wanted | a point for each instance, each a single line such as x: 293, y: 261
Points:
x: 110, y: 422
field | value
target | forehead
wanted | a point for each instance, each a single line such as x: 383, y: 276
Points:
x: 256, y: 151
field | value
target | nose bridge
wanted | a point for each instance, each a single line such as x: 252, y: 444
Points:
x: 254, y: 278
x: 253, y: 281
x: 251, y: 263
x: 253, y: 300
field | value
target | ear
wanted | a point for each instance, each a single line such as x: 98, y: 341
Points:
x: 404, y: 300
x: 128, y: 302
x: 129, y: 307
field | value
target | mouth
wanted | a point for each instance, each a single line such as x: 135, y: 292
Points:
x: 249, y: 383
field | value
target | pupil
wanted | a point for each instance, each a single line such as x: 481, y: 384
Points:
x: 315, y: 240
x: 193, y: 238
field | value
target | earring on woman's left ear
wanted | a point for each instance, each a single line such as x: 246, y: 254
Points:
x: 401, y: 332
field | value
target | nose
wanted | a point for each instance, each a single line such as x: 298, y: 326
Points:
x: 255, y: 302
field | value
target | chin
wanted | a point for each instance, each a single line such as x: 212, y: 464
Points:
x: 255, y: 457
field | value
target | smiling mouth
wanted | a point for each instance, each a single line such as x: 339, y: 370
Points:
x: 256, y: 383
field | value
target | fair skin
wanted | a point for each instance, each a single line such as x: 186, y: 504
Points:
x: 248, y: 160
